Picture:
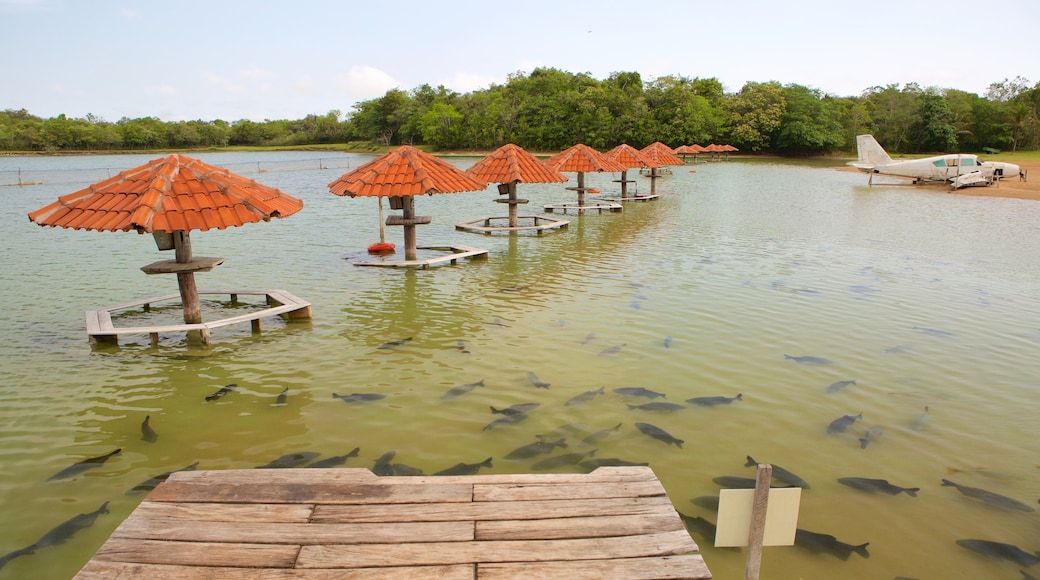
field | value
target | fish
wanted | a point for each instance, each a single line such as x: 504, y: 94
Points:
x: 518, y: 409
x: 393, y: 343
x: 899, y: 349
x: 635, y: 305
x: 537, y: 382
x: 536, y: 448
x: 290, y: 460
x: 710, y: 502
x: 505, y: 420
x: 828, y: 544
x: 401, y: 469
x: 147, y: 433
x: 639, y: 392
x: 934, y: 331
x: 659, y: 434
x: 355, y: 397
x: 461, y: 389
x: 461, y: 347
x: 282, y: 396
x: 735, y: 482
x: 150, y: 484
x: 30, y: 549
x: 584, y: 397
x: 612, y: 349
x: 842, y: 423
x: 920, y: 420
x: 994, y: 499
x: 465, y: 468
x: 668, y: 342
x: 877, y: 486
x: 221, y: 392
x: 702, y: 528
x: 714, y: 401
x: 600, y: 435
x: 594, y: 463
x: 78, y: 468
x: 1001, y: 551
x: 513, y: 288
x: 561, y: 460
x: 658, y: 406
x: 382, y: 465
x: 335, y: 459
x: 808, y: 360
x: 781, y: 474
x: 588, y: 338
x: 563, y: 430
x: 872, y: 434
x: 65, y: 530
x: 497, y: 322
x: 835, y: 387
x: 981, y: 471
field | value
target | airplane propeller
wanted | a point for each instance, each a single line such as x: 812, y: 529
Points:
x: 1022, y: 175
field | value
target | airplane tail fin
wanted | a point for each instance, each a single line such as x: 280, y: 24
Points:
x: 870, y: 151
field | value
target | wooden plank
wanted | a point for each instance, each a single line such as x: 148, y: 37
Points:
x: 247, y: 532
x: 583, y: 527
x: 346, y: 493
x: 487, y: 511
x: 690, y: 566
x: 273, y: 311
x: 198, y: 553
x: 438, y: 553
x: 601, y: 474
x: 93, y: 323
x: 136, y: 303
x: 223, y: 512
x: 95, y: 570
x: 521, y: 492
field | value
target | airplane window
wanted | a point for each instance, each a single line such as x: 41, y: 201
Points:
x: 939, y: 163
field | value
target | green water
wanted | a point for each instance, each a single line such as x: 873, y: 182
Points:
x: 705, y: 290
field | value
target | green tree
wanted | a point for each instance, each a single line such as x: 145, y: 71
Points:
x: 757, y: 112
x: 810, y: 123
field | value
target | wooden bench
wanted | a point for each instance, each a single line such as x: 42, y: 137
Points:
x: 457, y: 252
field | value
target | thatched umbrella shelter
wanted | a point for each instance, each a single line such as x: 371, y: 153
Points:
x: 663, y: 155
x: 401, y: 174
x: 580, y: 159
x: 169, y: 197
x: 630, y: 158
x: 509, y: 165
x: 684, y: 150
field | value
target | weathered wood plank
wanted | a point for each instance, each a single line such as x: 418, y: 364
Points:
x: 327, y: 493
x: 198, y: 553
x: 95, y: 570
x: 522, y: 492
x: 439, y: 553
x: 584, y: 527
x: 223, y: 512
x: 279, y: 533
x: 483, y: 511
x: 666, y: 567
x: 602, y: 474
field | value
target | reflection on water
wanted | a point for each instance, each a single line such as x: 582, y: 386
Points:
x: 925, y: 300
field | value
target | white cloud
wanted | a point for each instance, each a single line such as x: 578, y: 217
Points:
x: 366, y: 82
x: 467, y: 83
x: 224, y: 84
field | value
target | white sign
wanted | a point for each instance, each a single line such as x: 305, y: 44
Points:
x: 735, y: 517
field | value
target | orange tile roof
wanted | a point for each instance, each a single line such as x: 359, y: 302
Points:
x: 630, y: 157
x: 688, y: 149
x: 405, y: 171
x: 582, y: 158
x: 661, y: 153
x: 168, y: 194
x: 513, y: 164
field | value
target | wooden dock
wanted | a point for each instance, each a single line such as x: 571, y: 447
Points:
x: 616, y: 522
x: 455, y: 252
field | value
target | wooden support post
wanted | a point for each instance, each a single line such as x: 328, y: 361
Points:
x: 408, y: 212
x: 254, y: 325
x: 756, y: 532
x: 624, y: 184
x: 186, y: 280
x: 512, y: 205
x: 154, y: 337
x: 581, y: 188
x: 234, y: 299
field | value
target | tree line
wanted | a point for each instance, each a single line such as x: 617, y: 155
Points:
x: 549, y: 110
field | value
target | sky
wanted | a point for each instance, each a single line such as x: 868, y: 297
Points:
x: 262, y: 59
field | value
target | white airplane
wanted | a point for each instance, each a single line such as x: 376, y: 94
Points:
x: 959, y: 170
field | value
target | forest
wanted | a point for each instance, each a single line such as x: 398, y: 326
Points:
x: 549, y: 110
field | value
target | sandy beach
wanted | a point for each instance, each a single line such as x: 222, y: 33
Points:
x: 1009, y: 187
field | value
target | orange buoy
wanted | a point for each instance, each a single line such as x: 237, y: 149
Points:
x: 593, y: 190
x: 381, y: 248
x: 693, y: 171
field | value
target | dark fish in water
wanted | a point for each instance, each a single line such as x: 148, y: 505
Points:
x: 659, y: 434
x: 561, y: 460
x: 498, y: 322
x: 584, y: 397
x: 335, y: 460
x: 513, y: 288
x: 592, y: 464
x: 511, y: 419
x: 808, y: 360
x: 600, y: 435
x: 898, y: 349
x: 877, y: 486
x: 401, y: 469
x: 872, y: 434
x: 714, y: 401
x: 842, y: 423
x: 78, y: 468
x: 290, y: 460
x: 734, y: 482
x: 635, y: 305
x: 709, y: 502
x: 656, y: 406
x: 221, y: 392
x: 355, y: 397
x: 668, y: 342
x: 536, y: 448
x: 31, y: 549
x: 781, y: 474
x: 462, y: 389
x: 989, y: 497
x: 703, y: 528
x: 639, y: 392
x: 394, y: 343
x: 382, y: 465
x: 1001, y: 551
x: 282, y: 397
x: 920, y: 419
x: 461, y: 347
x: 613, y: 349
x: 465, y: 468
x: 589, y: 337
x: 563, y: 430
x: 147, y: 433
x: 536, y: 381
x: 835, y: 387
x: 518, y: 409
x: 934, y: 331
x: 828, y: 544
x: 67, y: 529
x: 149, y: 484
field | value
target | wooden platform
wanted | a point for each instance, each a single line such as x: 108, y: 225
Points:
x: 615, y: 522
x: 455, y: 253
x: 486, y: 225
x: 595, y: 206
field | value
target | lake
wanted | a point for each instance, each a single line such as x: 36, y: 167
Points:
x: 925, y: 299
